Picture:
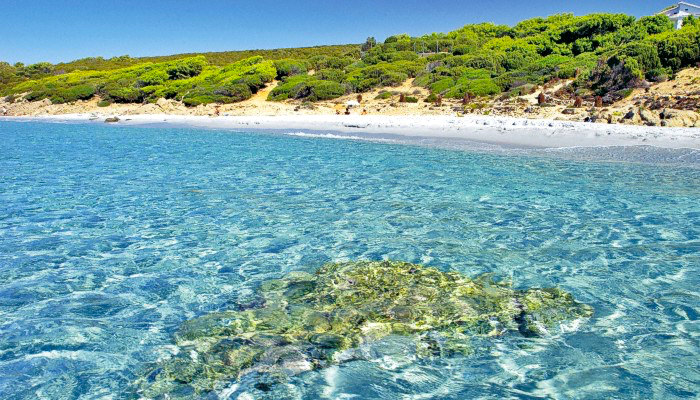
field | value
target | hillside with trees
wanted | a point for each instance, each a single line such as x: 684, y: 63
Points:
x: 603, y: 56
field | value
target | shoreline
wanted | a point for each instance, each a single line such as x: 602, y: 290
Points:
x: 498, y: 130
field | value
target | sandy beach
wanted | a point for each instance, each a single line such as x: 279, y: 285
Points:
x: 521, y: 132
x: 517, y: 121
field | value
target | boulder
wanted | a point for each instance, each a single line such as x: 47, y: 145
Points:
x: 667, y: 114
x: 313, y: 321
x: 649, y: 118
x: 541, y: 98
x: 112, y: 119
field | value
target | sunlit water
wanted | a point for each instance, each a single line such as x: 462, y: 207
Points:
x: 111, y: 237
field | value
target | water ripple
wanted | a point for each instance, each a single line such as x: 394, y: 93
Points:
x: 111, y: 237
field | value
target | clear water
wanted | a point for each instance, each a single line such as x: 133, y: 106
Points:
x: 111, y: 237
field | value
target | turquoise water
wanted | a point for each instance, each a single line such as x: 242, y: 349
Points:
x: 111, y: 237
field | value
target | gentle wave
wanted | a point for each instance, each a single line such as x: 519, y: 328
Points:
x: 635, y: 154
x: 338, y: 136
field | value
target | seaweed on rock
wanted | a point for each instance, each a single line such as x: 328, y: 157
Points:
x: 308, y: 321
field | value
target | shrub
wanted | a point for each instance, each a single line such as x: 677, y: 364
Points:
x: 153, y: 77
x: 283, y: 90
x: 383, y: 96
x: 678, y: 49
x: 289, y: 67
x: 228, y: 93
x: 325, y: 62
x: 330, y: 74
x: 121, y: 94
x: 104, y: 103
x: 411, y: 99
x: 233, y: 92
x: 186, y: 68
x: 254, y: 82
x: 523, y: 89
x: 624, y: 93
x: 442, y: 85
x: 655, y: 24
x: 324, y: 90
x: 399, y: 56
x: 8, y: 73
x: 477, y: 87
x: 646, y: 55
x: 364, y: 79
x: 36, y: 95
x: 658, y: 75
x: 37, y: 70
x: 74, y: 93
x: 594, y: 24
x: 306, y: 87
x: 195, y: 100
x: 410, y: 68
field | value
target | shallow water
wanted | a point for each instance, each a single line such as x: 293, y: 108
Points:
x: 111, y: 237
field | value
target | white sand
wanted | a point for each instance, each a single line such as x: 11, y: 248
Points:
x: 487, y: 129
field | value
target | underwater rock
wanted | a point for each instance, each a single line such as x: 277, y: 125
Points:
x: 308, y: 321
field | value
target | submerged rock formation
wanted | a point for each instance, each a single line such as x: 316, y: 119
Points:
x: 308, y: 321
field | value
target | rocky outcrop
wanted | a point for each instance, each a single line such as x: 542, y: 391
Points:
x: 679, y: 118
x: 310, y: 321
x: 649, y: 117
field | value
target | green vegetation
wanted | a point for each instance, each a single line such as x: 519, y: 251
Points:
x: 384, y: 95
x: 306, y: 87
x: 190, y: 80
x: 606, y: 53
x: 308, y: 320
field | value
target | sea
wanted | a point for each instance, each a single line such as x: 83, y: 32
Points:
x: 112, y: 237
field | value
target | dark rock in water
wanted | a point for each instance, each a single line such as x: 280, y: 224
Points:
x: 112, y: 119
x: 263, y: 386
x: 311, y: 321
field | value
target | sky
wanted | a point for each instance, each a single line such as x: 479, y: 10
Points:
x: 65, y: 30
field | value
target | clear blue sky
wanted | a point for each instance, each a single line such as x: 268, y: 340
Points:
x: 64, y: 30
